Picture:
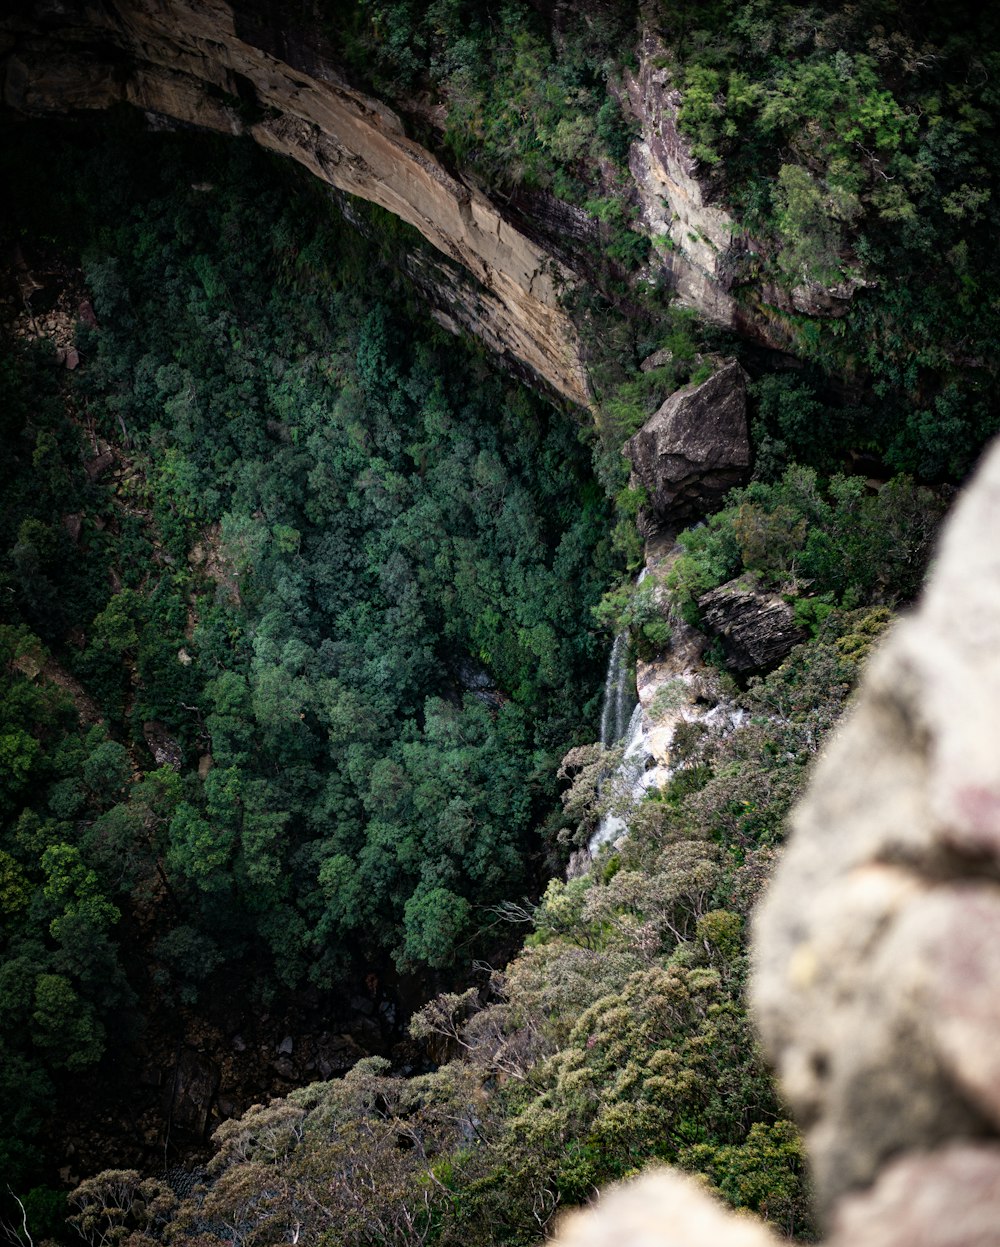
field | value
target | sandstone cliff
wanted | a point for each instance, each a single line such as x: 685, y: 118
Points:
x: 199, y: 62
x: 501, y: 270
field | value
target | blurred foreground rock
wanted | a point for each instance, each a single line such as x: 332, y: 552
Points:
x: 661, y: 1209
x: 877, y: 949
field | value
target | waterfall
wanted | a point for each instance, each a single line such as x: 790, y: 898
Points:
x: 618, y: 696
x: 646, y: 763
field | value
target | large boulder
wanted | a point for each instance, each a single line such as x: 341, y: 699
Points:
x: 693, y: 450
x: 757, y: 629
x: 877, y: 981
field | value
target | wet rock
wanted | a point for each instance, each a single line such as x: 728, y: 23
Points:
x: 579, y: 864
x: 693, y: 450
x: 190, y: 1091
x: 287, y: 1046
x: 757, y: 629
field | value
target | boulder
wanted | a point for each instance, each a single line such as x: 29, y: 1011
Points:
x: 757, y: 629
x: 663, y: 1208
x: 693, y: 450
x: 162, y: 745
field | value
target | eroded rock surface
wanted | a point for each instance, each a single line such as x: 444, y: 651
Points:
x: 693, y: 450
x: 674, y: 200
x: 757, y: 629
x: 877, y: 985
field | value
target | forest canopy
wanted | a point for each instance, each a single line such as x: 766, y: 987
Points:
x: 338, y: 569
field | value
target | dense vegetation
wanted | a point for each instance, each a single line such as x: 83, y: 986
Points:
x: 618, y: 1036
x: 342, y: 568
x: 302, y: 606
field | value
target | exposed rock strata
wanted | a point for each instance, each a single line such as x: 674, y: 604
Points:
x: 700, y: 246
x: 757, y: 629
x: 693, y: 450
x: 196, y: 61
x: 696, y: 235
x: 238, y: 68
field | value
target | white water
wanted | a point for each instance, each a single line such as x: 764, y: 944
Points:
x: 646, y: 764
x: 617, y: 687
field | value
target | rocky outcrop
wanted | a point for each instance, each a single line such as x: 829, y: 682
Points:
x: 757, y: 629
x: 877, y: 986
x: 693, y: 450
x: 695, y: 236
x: 200, y: 62
x: 699, y: 246
x: 162, y: 745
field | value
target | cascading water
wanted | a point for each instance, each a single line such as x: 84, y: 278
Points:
x: 618, y: 694
x: 646, y: 763
x: 645, y: 729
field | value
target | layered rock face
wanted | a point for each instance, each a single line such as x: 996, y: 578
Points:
x: 238, y: 68
x: 692, y: 450
x: 757, y: 629
x: 698, y: 235
x: 203, y: 63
